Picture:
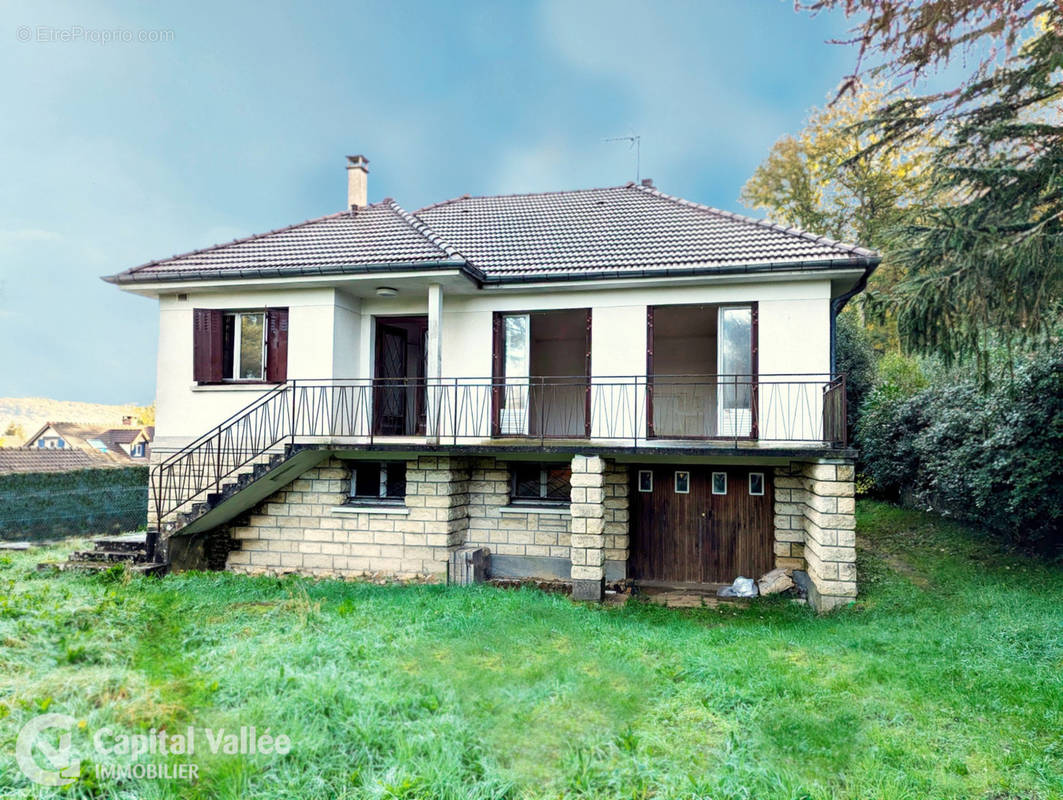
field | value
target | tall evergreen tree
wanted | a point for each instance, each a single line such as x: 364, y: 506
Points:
x: 984, y: 265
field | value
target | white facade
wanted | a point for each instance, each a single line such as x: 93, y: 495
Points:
x: 331, y: 331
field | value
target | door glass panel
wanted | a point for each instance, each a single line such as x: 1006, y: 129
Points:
x: 516, y: 365
x: 735, y: 356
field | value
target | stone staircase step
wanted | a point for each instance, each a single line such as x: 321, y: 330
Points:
x: 132, y: 556
x: 132, y: 541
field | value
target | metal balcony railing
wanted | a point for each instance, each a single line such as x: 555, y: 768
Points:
x: 633, y: 411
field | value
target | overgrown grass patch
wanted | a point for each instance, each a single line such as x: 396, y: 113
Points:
x: 945, y: 680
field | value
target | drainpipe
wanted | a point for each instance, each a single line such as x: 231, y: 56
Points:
x: 434, y: 361
x: 836, y: 306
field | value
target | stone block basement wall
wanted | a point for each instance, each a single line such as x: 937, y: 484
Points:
x: 450, y: 502
x: 818, y: 500
x: 297, y: 529
x: 538, y: 543
x: 617, y: 519
x: 525, y: 544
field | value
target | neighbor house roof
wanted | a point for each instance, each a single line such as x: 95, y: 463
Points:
x: 20, y: 459
x: 629, y: 230
x: 80, y: 436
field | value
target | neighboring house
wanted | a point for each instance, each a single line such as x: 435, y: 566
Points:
x: 594, y: 385
x: 125, y: 445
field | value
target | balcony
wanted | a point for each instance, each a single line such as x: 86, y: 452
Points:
x: 628, y: 411
x: 763, y: 414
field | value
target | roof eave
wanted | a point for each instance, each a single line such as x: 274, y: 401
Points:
x: 133, y: 277
x: 824, y: 265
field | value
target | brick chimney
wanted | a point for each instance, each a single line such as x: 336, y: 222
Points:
x: 357, y: 181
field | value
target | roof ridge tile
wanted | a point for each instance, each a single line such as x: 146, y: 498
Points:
x: 425, y: 230
x: 453, y: 200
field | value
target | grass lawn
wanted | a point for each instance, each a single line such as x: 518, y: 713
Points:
x: 945, y: 680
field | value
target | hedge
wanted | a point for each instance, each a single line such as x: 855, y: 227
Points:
x: 84, y: 502
x: 995, y: 458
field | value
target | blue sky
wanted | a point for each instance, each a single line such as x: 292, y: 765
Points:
x: 116, y: 153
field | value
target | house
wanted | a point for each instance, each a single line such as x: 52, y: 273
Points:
x: 592, y: 385
x: 129, y: 445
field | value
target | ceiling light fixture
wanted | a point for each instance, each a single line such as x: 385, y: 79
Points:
x: 386, y: 291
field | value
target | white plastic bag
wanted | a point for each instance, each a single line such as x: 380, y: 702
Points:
x: 742, y: 587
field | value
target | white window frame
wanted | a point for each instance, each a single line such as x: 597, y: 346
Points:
x: 724, y: 492
x: 237, y: 332
x: 514, y: 416
x: 675, y: 485
x: 762, y: 484
x: 645, y: 472
x: 732, y: 421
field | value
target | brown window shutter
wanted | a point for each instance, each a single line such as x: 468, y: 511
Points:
x: 587, y: 375
x: 276, y: 345
x: 497, y: 370
x: 207, y: 347
x: 649, y: 371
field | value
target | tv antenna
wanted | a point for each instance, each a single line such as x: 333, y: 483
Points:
x: 634, y: 142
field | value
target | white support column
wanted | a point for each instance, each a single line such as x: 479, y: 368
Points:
x: 434, y: 357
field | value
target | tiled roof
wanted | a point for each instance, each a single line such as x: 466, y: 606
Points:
x: 622, y: 229
x: 76, y: 436
x: 18, y: 459
x: 628, y: 230
x: 379, y: 234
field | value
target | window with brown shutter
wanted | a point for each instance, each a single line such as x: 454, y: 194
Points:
x: 244, y: 346
x: 276, y: 345
x: 207, y: 346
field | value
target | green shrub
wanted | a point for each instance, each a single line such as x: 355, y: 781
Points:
x: 904, y: 373
x: 990, y: 457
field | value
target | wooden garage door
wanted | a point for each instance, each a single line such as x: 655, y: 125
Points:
x: 698, y: 536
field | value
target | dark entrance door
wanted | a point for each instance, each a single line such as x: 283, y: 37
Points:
x: 698, y: 536
x: 398, y: 385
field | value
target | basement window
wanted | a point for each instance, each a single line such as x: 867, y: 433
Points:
x: 541, y: 483
x: 378, y: 482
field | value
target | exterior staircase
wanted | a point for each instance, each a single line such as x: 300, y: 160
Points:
x: 129, y: 549
x: 243, y: 488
